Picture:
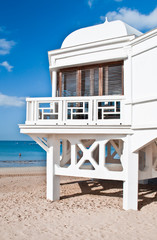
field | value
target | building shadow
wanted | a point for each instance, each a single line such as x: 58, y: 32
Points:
x: 97, y: 187
x: 147, y: 193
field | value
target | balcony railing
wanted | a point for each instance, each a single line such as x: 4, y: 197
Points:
x: 95, y: 110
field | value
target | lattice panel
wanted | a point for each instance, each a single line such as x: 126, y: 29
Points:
x: 113, y: 154
x: 108, y: 110
x: 77, y: 110
x: 87, y: 157
x: 89, y: 154
x: 48, y: 111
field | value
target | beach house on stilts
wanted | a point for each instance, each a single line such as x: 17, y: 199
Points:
x: 103, y: 109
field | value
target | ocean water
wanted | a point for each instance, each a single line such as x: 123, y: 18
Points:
x: 25, y: 154
x: 21, y: 154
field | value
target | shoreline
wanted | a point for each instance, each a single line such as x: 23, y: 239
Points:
x: 14, y: 171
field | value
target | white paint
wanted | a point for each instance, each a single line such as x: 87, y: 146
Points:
x: 99, y: 32
x: 136, y: 129
x: 53, y: 181
x: 130, y: 185
x: 54, y: 83
x: 49, y: 115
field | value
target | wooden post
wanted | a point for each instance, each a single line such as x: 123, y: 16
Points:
x: 60, y: 84
x: 79, y: 83
x: 100, y: 81
x: 106, y: 80
x: 92, y: 82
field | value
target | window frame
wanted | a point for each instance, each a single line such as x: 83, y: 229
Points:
x: 86, y: 67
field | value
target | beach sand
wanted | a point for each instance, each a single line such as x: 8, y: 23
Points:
x: 87, y: 209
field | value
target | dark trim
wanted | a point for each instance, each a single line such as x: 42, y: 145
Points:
x: 60, y: 84
x: 79, y: 78
x: 123, y: 79
x: 100, y: 81
x: 91, y: 66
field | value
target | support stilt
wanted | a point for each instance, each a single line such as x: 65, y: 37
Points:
x: 53, y: 157
x: 130, y: 185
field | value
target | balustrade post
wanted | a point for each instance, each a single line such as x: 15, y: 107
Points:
x: 60, y: 111
x: 27, y: 111
x: 95, y: 112
x: 90, y: 113
x: 64, y: 111
x: 35, y: 111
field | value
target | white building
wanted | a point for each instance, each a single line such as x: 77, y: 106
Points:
x: 103, y: 109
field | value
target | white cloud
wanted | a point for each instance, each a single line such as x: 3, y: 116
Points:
x: 134, y: 18
x: 11, y: 101
x: 90, y: 2
x: 5, y: 46
x: 6, y: 65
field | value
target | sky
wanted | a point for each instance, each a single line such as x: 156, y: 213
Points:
x: 29, y: 29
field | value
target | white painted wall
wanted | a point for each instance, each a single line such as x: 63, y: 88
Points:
x: 144, y: 74
x: 108, y: 50
x: 145, y: 115
x: 107, y: 30
x: 144, y: 83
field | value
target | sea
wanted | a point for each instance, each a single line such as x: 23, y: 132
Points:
x: 24, y: 154
x: 21, y: 154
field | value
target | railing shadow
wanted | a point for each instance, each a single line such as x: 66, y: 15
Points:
x: 89, y: 187
x: 147, y: 193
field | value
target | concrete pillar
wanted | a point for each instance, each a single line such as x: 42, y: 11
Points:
x: 54, y: 83
x: 53, y: 157
x: 130, y: 185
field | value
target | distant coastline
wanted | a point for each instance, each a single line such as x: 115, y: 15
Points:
x: 22, y: 171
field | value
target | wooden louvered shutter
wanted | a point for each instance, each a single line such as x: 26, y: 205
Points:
x: 90, y: 82
x: 69, y: 80
x: 112, y: 80
x: 94, y: 80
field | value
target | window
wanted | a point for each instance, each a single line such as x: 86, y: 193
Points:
x: 69, y: 80
x: 97, y: 80
x: 90, y: 82
x: 112, y: 80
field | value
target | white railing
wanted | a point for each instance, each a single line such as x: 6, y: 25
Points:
x: 95, y: 110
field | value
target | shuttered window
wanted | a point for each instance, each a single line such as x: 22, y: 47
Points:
x: 101, y: 79
x: 90, y: 82
x: 112, y: 80
x: 69, y: 80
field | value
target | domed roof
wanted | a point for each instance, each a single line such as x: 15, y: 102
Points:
x: 99, y: 32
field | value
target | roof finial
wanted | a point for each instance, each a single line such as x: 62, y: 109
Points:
x: 106, y: 19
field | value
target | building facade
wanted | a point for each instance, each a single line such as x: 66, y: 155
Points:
x: 103, y: 109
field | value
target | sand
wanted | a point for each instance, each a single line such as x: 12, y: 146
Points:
x: 87, y: 209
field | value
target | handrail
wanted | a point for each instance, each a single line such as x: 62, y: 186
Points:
x: 91, y: 110
x: 108, y: 97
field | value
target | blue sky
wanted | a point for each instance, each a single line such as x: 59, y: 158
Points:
x: 29, y: 29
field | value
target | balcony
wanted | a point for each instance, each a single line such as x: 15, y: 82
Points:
x: 95, y: 110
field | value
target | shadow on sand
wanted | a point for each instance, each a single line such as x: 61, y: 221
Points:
x: 147, y: 193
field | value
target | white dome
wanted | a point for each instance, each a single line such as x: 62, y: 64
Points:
x: 99, y: 32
